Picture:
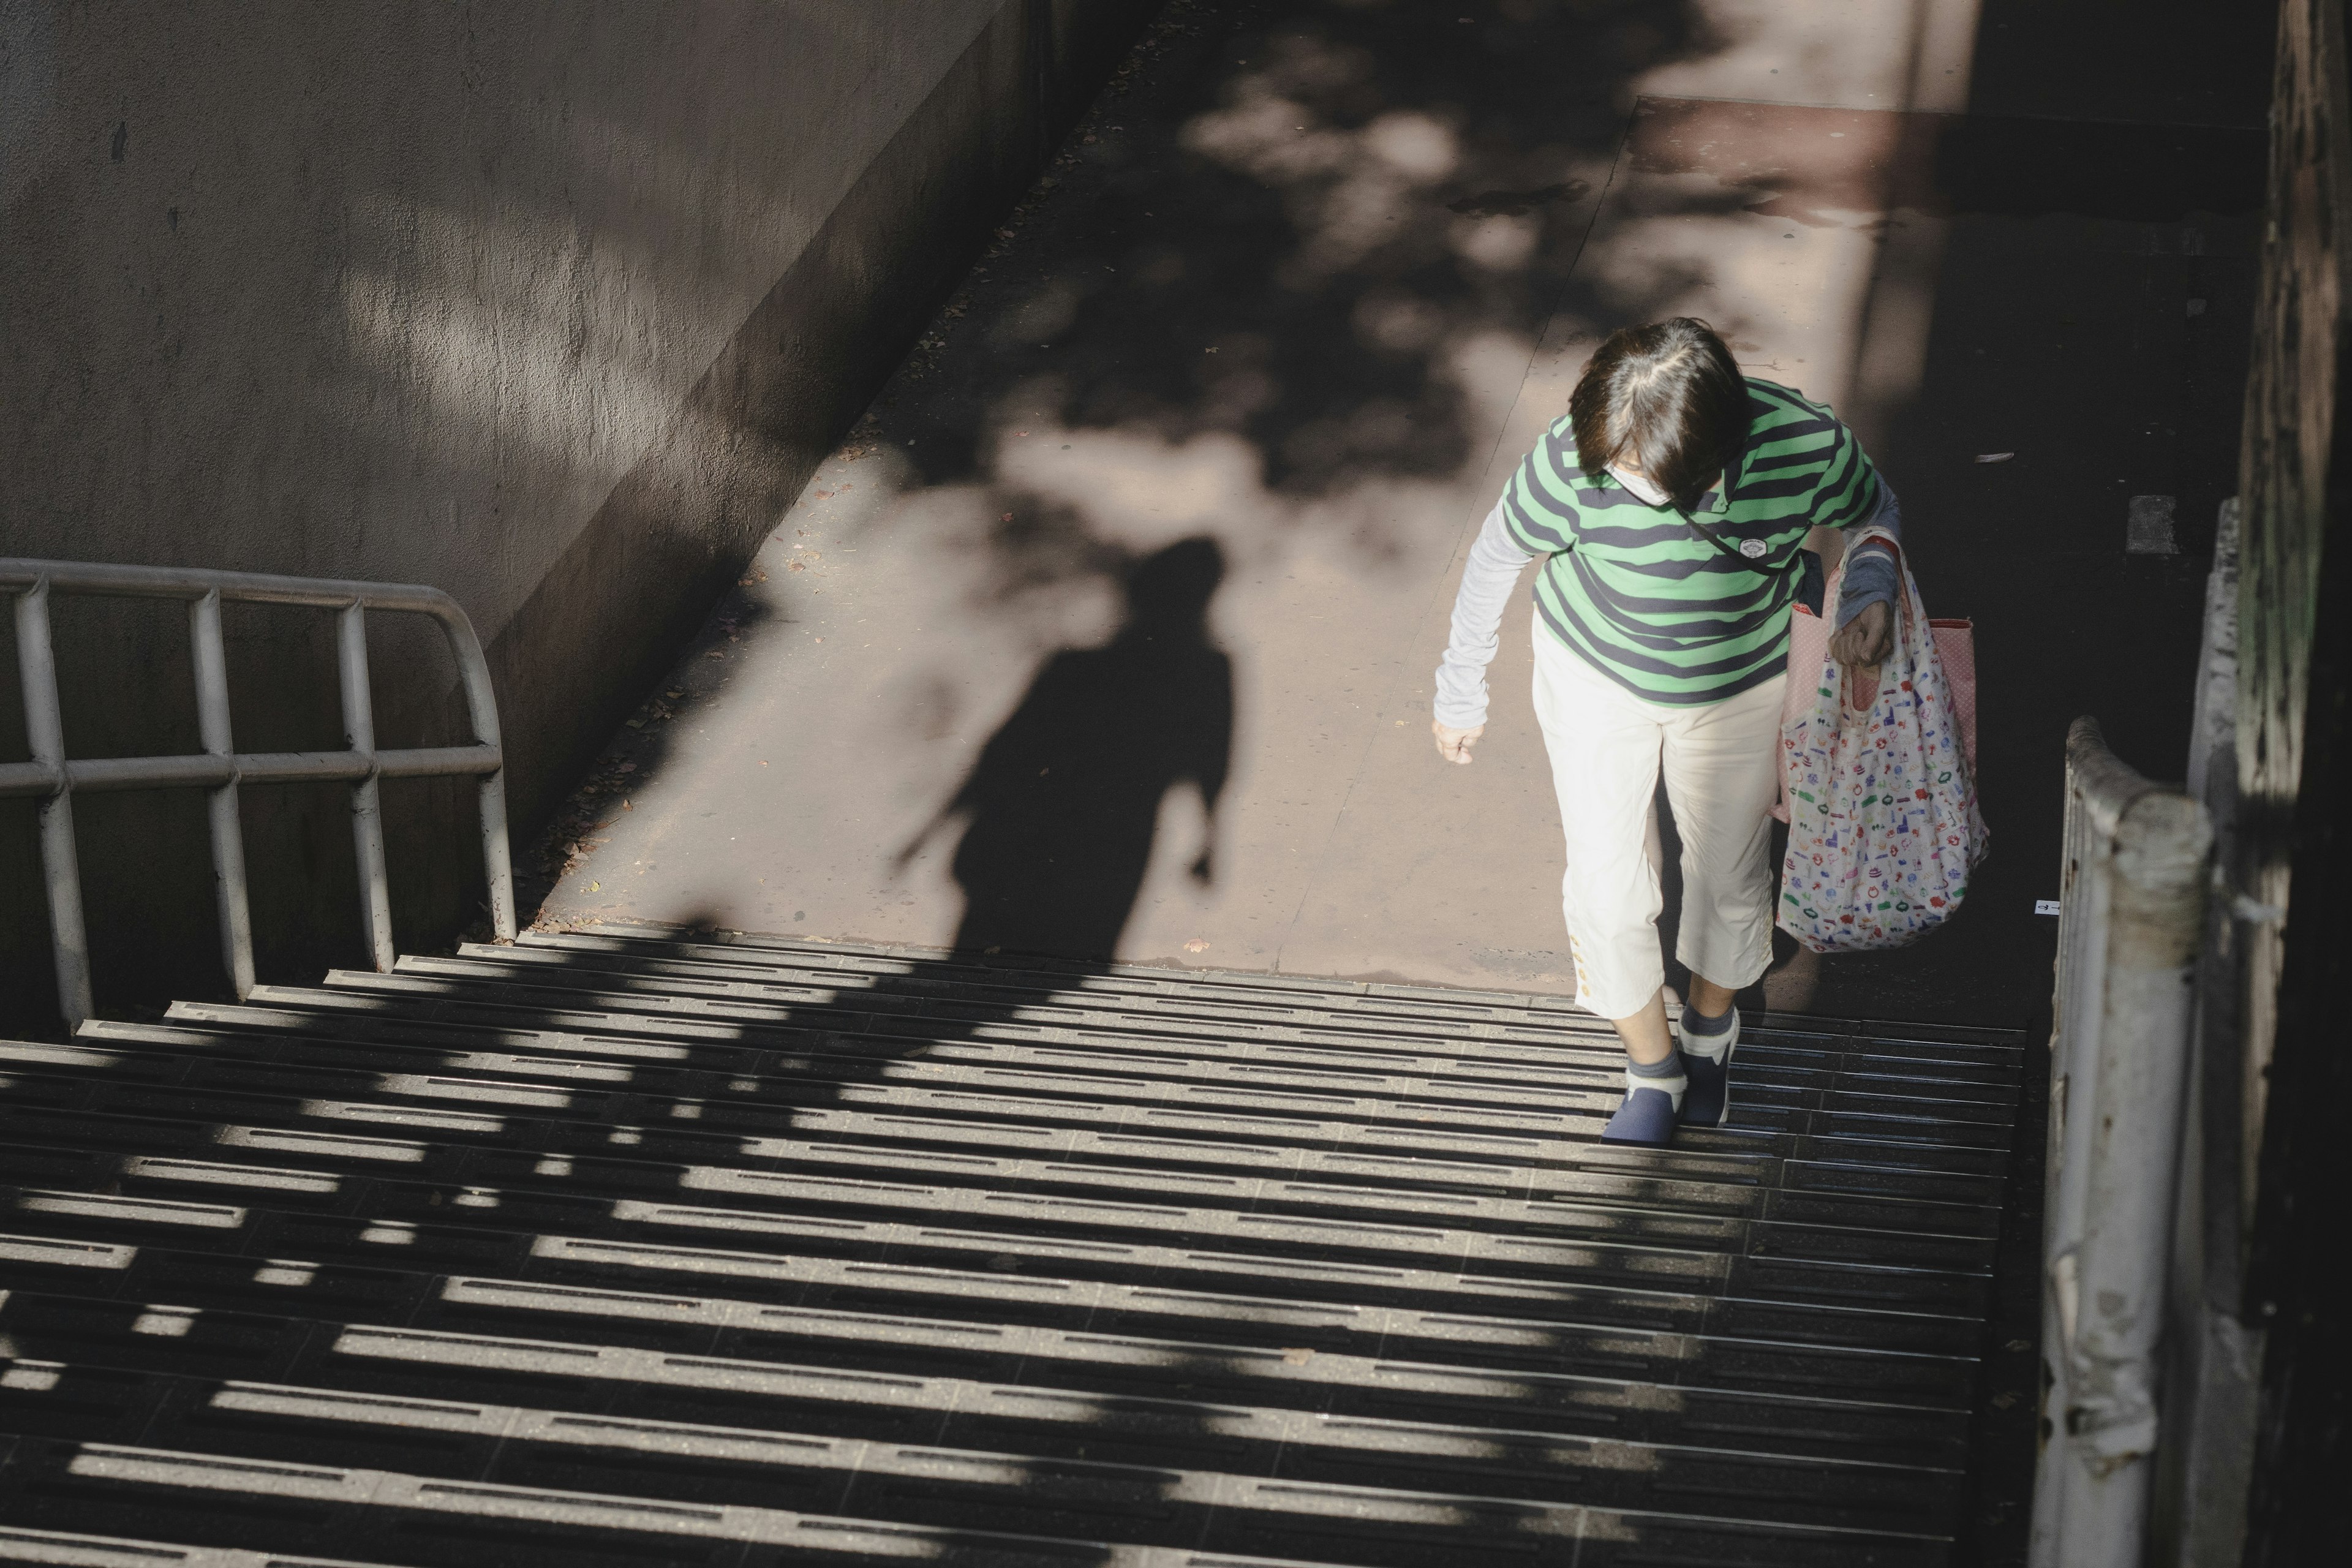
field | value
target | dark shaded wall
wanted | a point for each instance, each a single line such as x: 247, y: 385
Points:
x: 552, y: 306
x: 2295, y: 675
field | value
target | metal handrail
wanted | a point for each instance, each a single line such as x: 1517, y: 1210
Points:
x: 2131, y: 911
x: 220, y: 769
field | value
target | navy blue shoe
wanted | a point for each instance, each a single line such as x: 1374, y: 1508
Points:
x: 1646, y: 1120
x: 1706, y: 1059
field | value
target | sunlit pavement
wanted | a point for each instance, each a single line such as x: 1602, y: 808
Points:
x: 1306, y: 285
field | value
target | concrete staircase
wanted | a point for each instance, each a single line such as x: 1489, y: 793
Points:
x: 609, y: 1250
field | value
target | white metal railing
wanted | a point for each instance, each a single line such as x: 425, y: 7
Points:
x: 2132, y: 903
x: 220, y: 769
x: 2212, y: 1368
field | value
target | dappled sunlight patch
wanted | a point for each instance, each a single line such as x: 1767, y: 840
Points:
x: 155, y: 1211
x: 287, y: 1272
x: 32, y: 1376
x: 1499, y: 243
x: 421, y: 1116
x: 473, y: 1091
x: 1345, y: 189
x: 1139, y: 489
x: 201, y: 1172
x: 453, y: 316
x: 166, y: 1322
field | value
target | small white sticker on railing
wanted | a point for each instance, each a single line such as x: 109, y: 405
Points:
x: 2045, y: 905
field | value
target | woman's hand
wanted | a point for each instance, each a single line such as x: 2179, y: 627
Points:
x: 1454, y: 745
x: 1865, y: 641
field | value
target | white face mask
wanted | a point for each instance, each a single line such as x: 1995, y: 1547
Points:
x: 1640, y: 486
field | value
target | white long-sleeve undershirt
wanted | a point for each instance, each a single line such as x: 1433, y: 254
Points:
x: 1493, y: 571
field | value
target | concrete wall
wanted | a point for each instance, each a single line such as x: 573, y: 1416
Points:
x: 552, y: 305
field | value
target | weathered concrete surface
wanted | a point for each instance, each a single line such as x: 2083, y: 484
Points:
x: 1309, y: 292
x: 552, y: 306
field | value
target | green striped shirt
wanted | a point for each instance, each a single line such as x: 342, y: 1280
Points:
x: 1644, y: 597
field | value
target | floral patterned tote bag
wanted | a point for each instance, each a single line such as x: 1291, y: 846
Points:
x: 1883, y: 826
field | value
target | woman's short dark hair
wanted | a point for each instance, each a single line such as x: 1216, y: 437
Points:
x: 1668, y: 399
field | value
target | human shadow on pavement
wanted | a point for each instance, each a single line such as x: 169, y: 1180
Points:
x: 1061, y: 806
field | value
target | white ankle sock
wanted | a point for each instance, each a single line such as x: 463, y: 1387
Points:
x: 1667, y: 1075
x: 1708, y: 1047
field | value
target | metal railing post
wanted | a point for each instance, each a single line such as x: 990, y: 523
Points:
x: 482, y: 712
x: 37, y: 669
x: 2133, y: 909
x: 221, y: 801
x: 367, y: 817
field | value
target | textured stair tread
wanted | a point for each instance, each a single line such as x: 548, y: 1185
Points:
x: 1764, y: 1111
x: 1973, y: 1092
x: 915, y: 992
x: 1359, y: 1008
x: 1217, y: 1394
x: 1623, y: 1209
x: 1503, y: 1033
x: 1272, y: 1206
x: 1038, y: 974
x: 1667, y: 1341
x: 1341, y: 998
x: 738, y: 1250
x: 309, y: 1506
x: 1382, y: 1465
x: 679, y: 1243
x: 191, y: 1059
x: 865, y: 1014
x: 373, y: 1136
x: 370, y: 1266
x: 1788, y: 1269
x: 686, y: 1247
x: 1100, y: 1234
x: 1643, y: 1238
x: 1256, y: 1209
x: 1797, y: 1192
x: 312, y: 1504
x: 1773, y: 1084
x: 72, y: 1549
x: 770, y: 1103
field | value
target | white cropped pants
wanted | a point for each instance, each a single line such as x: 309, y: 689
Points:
x: 1721, y: 761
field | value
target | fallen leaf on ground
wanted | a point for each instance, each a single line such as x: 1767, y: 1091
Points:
x: 2004, y: 1401
x: 1994, y: 457
x: 1196, y: 945
x: 1298, y: 1357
